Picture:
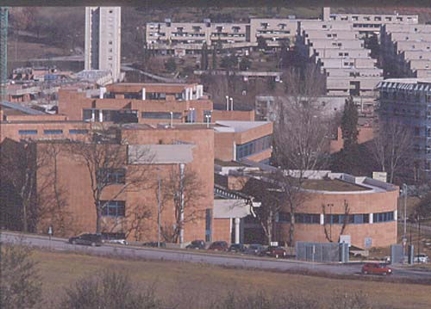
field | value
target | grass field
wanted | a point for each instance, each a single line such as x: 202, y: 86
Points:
x: 185, y: 284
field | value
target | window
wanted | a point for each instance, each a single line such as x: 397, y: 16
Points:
x: 113, y: 208
x: 253, y: 147
x: 27, y: 132
x: 111, y: 176
x: 383, y: 217
x: 52, y: 132
x: 161, y: 115
x: 78, y: 131
x: 307, y: 218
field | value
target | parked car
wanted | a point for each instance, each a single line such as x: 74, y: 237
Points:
x: 237, y: 248
x: 87, y: 239
x: 154, y: 244
x: 275, y: 251
x: 219, y: 246
x: 117, y: 241
x: 196, y: 244
x: 376, y: 269
x: 255, y: 249
x: 421, y: 258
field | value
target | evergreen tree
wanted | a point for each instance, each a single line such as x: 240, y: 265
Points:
x: 204, y: 57
x: 349, y: 124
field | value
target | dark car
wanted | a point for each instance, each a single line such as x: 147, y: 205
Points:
x: 219, y: 246
x: 87, y: 239
x: 376, y: 269
x: 196, y: 244
x: 275, y: 251
x: 255, y: 249
x: 154, y: 244
x: 237, y: 248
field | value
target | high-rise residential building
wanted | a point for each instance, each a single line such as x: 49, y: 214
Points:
x: 103, y: 40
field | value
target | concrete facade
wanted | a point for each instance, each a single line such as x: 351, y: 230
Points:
x: 103, y: 40
x: 408, y: 101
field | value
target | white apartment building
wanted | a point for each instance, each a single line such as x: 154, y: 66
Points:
x: 180, y: 38
x: 406, y: 50
x: 103, y: 40
x: 273, y: 30
x: 367, y: 24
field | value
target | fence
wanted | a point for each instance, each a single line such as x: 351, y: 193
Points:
x: 322, y: 252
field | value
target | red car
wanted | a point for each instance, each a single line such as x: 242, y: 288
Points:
x: 275, y: 251
x: 376, y: 269
x: 219, y: 246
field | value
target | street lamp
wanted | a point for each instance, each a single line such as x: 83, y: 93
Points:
x: 330, y: 221
x: 405, y: 214
x: 172, y: 119
x: 208, y: 117
x: 158, y: 207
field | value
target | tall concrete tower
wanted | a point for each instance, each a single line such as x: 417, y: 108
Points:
x: 103, y: 40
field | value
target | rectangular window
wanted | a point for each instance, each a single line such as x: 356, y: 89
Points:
x: 111, y: 176
x: 27, y: 132
x: 161, y: 115
x: 383, y: 217
x: 52, y: 132
x: 113, y: 208
x: 78, y: 131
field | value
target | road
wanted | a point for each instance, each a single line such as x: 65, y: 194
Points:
x: 225, y: 260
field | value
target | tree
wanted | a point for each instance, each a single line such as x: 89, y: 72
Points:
x: 300, y: 137
x: 244, y: 64
x: 328, y: 235
x: 110, y: 164
x: 204, y: 56
x: 18, y: 168
x: 182, y: 188
x: 20, y: 284
x: 349, y: 124
x: 170, y: 65
x: 270, y: 197
x: 106, y: 290
x: 391, y: 147
x: 261, y: 43
x: 229, y: 62
x: 52, y: 195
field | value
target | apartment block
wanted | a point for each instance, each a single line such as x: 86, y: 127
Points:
x: 406, y: 50
x: 103, y: 40
x: 369, y: 24
x: 408, y: 101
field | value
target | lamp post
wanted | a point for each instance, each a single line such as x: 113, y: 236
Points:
x: 172, y: 119
x: 405, y: 216
x: 227, y: 102
x: 208, y: 117
x: 330, y: 221
x: 158, y: 208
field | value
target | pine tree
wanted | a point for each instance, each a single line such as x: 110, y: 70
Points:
x: 349, y: 124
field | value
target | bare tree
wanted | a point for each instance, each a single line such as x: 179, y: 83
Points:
x: 270, y: 197
x: 391, y: 147
x: 300, y: 137
x: 328, y: 234
x: 109, y: 164
x: 182, y: 188
x: 51, y: 194
x: 18, y: 168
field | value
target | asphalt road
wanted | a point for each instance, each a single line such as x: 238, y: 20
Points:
x: 227, y: 260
